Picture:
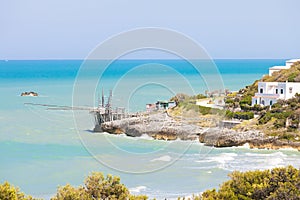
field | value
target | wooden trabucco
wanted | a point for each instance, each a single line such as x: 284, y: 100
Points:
x: 105, y: 112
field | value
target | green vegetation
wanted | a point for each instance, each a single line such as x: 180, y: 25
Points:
x: 207, y: 110
x: 239, y: 115
x: 278, y: 183
x: 282, y: 119
x: 96, y: 186
x: 188, y: 103
x: 243, y: 99
x: 285, y: 113
x: 290, y: 75
x: 9, y: 192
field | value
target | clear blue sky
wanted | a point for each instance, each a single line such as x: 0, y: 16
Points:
x: 65, y: 29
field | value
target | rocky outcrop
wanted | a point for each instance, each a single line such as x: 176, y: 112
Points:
x: 31, y: 94
x: 227, y: 137
x: 158, y: 126
x: 162, y: 127
x: 273, y: 143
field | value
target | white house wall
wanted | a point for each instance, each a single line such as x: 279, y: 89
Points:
x: 268, y: 95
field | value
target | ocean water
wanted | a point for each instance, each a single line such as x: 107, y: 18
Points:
x: 42, y: 148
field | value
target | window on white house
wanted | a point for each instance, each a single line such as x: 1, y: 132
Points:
x: 276, y: 91
x: 281, y: 91
x: 261, y: 90
x: 291, y: 89
x: 271, y: 102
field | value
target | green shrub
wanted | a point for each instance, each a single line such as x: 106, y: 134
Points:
x: 257, y: 107
x: 96, y: 186
x: 68, y: 192
x: 243, y: 115
x: 239, y: 115
x: 278, y: 183
x: 201, y: 96
x: 287, y: 136
x: 9, y: 192
x: 291, y: 77
x: 205, y: 110
x: 277, y: 114
x: 229, y: 114
x: 190, y: 106
x: 246, y: 100
x: 229, y: 101
x: 279, y: 123
x: 245, y: 107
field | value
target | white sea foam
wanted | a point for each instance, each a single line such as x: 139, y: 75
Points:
x: 275, y: 154
x: 224, y: 157
x: 275, y: 162
x: 146, y: 137
x: 162, y: 158
x: 137, y: 189
x: 288, y: 149
x: 205, y: 161
x: 246, y: 145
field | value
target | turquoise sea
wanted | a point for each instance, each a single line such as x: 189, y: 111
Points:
x: 43, y: 148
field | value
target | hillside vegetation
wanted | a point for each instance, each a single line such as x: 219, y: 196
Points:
x: 290, y: 75
x: 242, y: 99
x: 283, y: 118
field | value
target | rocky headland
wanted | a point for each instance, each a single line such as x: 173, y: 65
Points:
x: 163, y: 127
x: 223, y: 137
x: 159, y: 126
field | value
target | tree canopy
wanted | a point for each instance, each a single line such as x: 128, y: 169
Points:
x: 278, y: 183
x: 97, y: 187
x: 9, y: 192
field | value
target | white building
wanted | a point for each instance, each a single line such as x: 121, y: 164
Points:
x: 288, y: 65
x: 269, y: 92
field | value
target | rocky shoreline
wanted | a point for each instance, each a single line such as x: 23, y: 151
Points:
x: 163, y: 127
x: 159, y: 126
x: 218, y: 137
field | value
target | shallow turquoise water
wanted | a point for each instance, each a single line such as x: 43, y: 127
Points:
x: 41, y: 149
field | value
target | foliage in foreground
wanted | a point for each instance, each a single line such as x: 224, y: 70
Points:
x: 9, y: 192
x: 278, y: 183
x: 96, y: 186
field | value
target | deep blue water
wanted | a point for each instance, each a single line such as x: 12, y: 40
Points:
x: 62, y: 69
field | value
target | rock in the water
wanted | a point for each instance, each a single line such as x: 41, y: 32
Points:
x: 31, y: 94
